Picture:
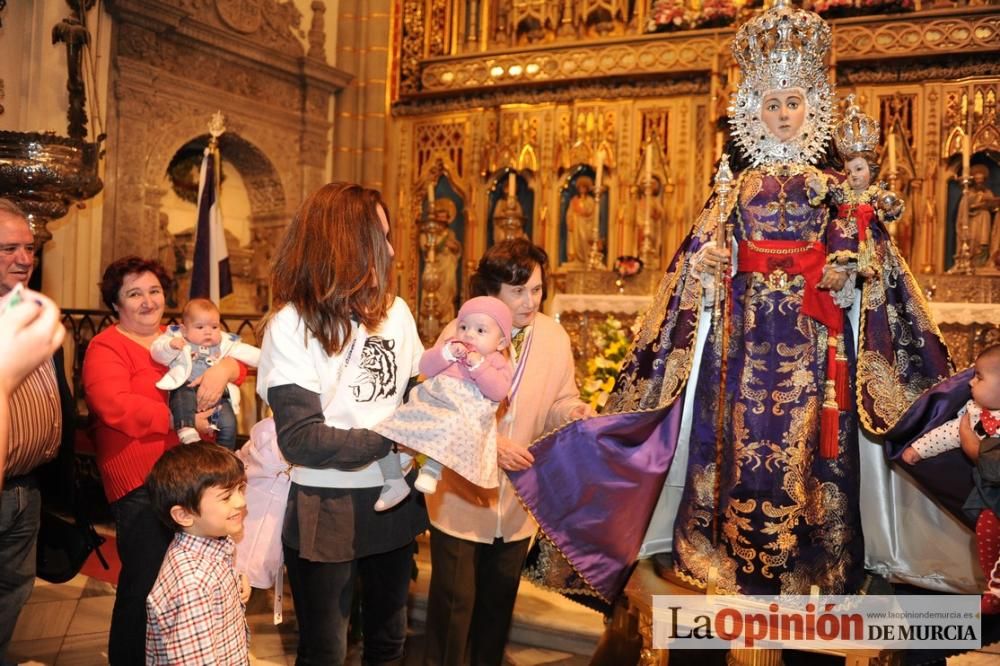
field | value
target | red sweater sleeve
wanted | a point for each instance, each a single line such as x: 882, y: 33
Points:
x: 109, y: 373
x: 243, y: 374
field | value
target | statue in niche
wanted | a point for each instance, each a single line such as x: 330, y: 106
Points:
x: 261, y: 268
x: 600, y: 20
x: 529, y: 31
x: 166, y: 246
x: 442, y: 254
x: 581, y: 215
x: 449, y: 253
x: 984, y: 232
x: 508, y: 220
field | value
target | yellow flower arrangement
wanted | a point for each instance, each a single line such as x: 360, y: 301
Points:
x: 612, y: 341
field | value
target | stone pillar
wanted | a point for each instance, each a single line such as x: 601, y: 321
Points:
x: 127, y: 141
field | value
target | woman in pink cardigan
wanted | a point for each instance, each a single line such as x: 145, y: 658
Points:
x: 480, y: 536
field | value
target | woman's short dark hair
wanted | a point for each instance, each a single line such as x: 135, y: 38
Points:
x: 114, y: 276
x: 508, y: 262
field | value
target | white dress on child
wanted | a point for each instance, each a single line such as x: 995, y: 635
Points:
x: 449, y: 420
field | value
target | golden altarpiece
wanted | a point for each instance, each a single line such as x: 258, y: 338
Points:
x: 585, y: 126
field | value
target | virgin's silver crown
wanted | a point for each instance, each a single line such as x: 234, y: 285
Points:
x: 783, y: 46
x: 779, y: 49
x: 857, y: 132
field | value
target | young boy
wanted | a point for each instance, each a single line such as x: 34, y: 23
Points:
x: 195, y: 611
x: 190, y: 349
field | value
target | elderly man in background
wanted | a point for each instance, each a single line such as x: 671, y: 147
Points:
x: 34, y: 408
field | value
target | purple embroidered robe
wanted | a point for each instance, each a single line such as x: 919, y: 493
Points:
x: 780, y: 518
x: 764, y: 507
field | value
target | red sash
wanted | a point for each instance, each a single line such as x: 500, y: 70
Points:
x: 777, y: 259
x: 862, y: 213
x: 795, y: 258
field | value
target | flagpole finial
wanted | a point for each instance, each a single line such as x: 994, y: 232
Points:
x: 217, y: 125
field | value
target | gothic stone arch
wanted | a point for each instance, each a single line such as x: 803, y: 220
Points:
x: 172, y: 68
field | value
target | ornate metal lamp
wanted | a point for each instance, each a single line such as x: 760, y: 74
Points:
x: 45, y: 173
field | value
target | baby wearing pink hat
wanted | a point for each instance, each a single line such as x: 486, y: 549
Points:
x: 451, y: 417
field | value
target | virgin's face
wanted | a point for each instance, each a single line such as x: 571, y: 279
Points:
x: 523, y: 299
x: 783, y: 112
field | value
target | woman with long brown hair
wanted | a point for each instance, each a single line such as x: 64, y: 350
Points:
x: 339, y: 352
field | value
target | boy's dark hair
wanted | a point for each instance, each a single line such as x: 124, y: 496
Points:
x: 182, y: 475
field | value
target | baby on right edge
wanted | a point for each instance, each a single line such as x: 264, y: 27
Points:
x: 982, y: 415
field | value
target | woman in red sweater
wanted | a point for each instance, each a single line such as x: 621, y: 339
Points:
x: 131, y: 430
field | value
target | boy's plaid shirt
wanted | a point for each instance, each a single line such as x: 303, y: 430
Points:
x: 194, y: 614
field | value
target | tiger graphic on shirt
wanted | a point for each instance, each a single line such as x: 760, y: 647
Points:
x: 377, y: 378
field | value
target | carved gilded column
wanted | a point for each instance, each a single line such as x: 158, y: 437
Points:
x: 471, y: 28
x: 432, y: 227
x: 360, y: 113
x: 412, y: 46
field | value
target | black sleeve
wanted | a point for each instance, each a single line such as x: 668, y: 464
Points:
x: 410, y: 385
x: 305, y: 439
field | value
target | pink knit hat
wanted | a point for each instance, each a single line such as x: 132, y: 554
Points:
x: 492, y: 307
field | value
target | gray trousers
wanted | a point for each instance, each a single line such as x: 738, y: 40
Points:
x: 20, y: 516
